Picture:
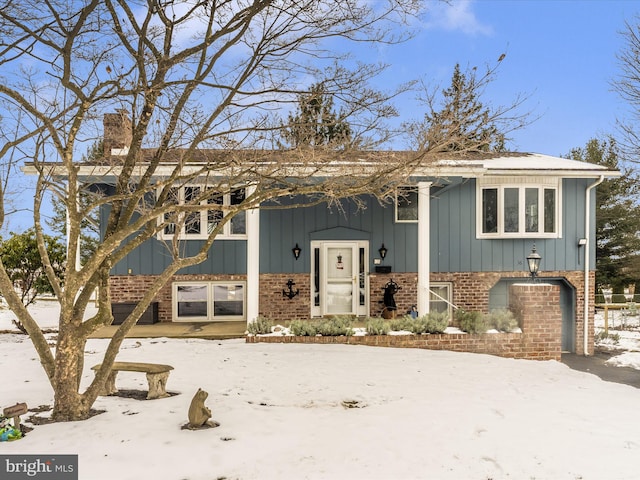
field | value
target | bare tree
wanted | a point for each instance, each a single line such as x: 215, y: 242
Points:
x: 199, y: 86
x: 627, y: 84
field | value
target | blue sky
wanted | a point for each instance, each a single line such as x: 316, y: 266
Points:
x: 562, y: 53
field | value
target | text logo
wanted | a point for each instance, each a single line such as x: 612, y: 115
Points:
x: 38, y: 467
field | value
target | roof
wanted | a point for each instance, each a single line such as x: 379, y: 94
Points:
x: 516, y: 163
x: 463, y: 164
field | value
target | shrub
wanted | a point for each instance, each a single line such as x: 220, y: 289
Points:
x: 603, y: 337
x: 335, y: 326
x: 437, y: 322
x: 502, y: 320
x: 262, y: 325
x: 402, y: 323
x: 471, y: 322
x: 378, y: 326
x: 303, y: 328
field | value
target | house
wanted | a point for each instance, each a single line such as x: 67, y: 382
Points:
x: 456, y: 237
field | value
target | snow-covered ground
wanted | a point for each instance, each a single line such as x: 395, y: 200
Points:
x: 420, y: 414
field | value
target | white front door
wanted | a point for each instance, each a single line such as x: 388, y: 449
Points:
x: 341, y: 269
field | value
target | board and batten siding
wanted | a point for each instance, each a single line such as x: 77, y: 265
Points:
x: 152, y: 257
x: 454, y: 246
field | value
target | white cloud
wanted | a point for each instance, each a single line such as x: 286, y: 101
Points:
x: 456, y: 15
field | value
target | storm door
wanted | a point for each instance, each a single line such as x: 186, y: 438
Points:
x: 340, y: 278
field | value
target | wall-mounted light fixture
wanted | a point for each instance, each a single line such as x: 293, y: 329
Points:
x: 383, y: 251
x: 533, y: 259
x: 296, y: 251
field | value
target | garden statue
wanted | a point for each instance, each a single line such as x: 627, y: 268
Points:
x: 199, y: 414
x: 390, y: 289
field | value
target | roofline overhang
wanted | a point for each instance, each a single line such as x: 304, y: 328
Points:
x: 466, y: 171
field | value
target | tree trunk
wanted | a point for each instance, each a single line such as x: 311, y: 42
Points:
x: 69, y: 404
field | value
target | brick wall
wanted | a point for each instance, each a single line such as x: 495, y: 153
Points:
x: 131, y: 288
x: 537, y: 309
x: 536, y: 306
x: 276, y: 306
x: 470, y: 291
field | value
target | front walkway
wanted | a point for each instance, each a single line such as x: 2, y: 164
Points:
x: 210, y: 331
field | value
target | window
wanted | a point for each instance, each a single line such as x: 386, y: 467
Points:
x: 518, y: 207
x: 208, y: 301
x: 200, y: 223
x: 407, y: 204
x: 440, y: 298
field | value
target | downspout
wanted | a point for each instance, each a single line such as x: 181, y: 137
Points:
x: 587, y: 248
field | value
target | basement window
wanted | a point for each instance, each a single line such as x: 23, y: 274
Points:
x: 208, y: 301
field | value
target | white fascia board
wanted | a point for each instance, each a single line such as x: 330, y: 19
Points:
x: 467, y: 171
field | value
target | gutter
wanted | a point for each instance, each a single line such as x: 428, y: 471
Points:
x: 587, y: 228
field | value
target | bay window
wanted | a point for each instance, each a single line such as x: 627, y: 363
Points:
x: 518, y: 207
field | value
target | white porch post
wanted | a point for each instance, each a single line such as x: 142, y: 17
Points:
x: 253, y: 262
x: 423, y: 247
x: 77, y: 261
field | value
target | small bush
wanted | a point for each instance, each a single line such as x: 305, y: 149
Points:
x: 471, y: 322
x: 603, y: 337
x: 303, y: 328
x: 437, y: 322
x: 336, y: 326
x: 378, y: 326
x: 502, y: 320
x: 261, y: 326
x: 402, y: 323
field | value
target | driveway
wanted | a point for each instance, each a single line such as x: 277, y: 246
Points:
x: 596, y: 365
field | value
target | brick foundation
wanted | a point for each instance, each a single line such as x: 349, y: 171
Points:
x: 131, y: 288
x: 536, y: 306
x: 470, y: 292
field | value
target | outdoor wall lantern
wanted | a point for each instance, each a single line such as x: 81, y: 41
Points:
x: 533, y: 259
x: 383, y: 251
x: 607, y: 292
x: 296, y: 251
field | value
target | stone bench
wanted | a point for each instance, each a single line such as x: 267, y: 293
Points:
x: 157, y: 375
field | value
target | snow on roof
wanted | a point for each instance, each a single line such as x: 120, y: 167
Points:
x: 514, y: 162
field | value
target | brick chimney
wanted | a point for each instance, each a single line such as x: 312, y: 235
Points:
x: 117, y: 133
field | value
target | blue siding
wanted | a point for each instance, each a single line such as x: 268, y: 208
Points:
x: 454, y: 246
x: 151, y: 258
x: 280, y: 230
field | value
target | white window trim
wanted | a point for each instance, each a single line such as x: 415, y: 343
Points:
x: 449, y: 300
x: 500, y: 183
x: 396, y: 219
x: 203, y: 235
x: 210, y: 299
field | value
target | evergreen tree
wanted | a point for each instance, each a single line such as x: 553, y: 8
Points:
x: 463, y: 122
x: 617, y: 217
x: 316, y: 123
x: 21, y: 258
x: 90, y: 233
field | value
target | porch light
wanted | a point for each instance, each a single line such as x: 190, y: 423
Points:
x: 383, y: 251
x: 296, y: 251
x: 607, y: 292
x: 533, y: 259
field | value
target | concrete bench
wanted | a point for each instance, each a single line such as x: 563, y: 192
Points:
x: 157, y: 375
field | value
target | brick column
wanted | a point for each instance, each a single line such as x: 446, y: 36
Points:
x: 536, y: 306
